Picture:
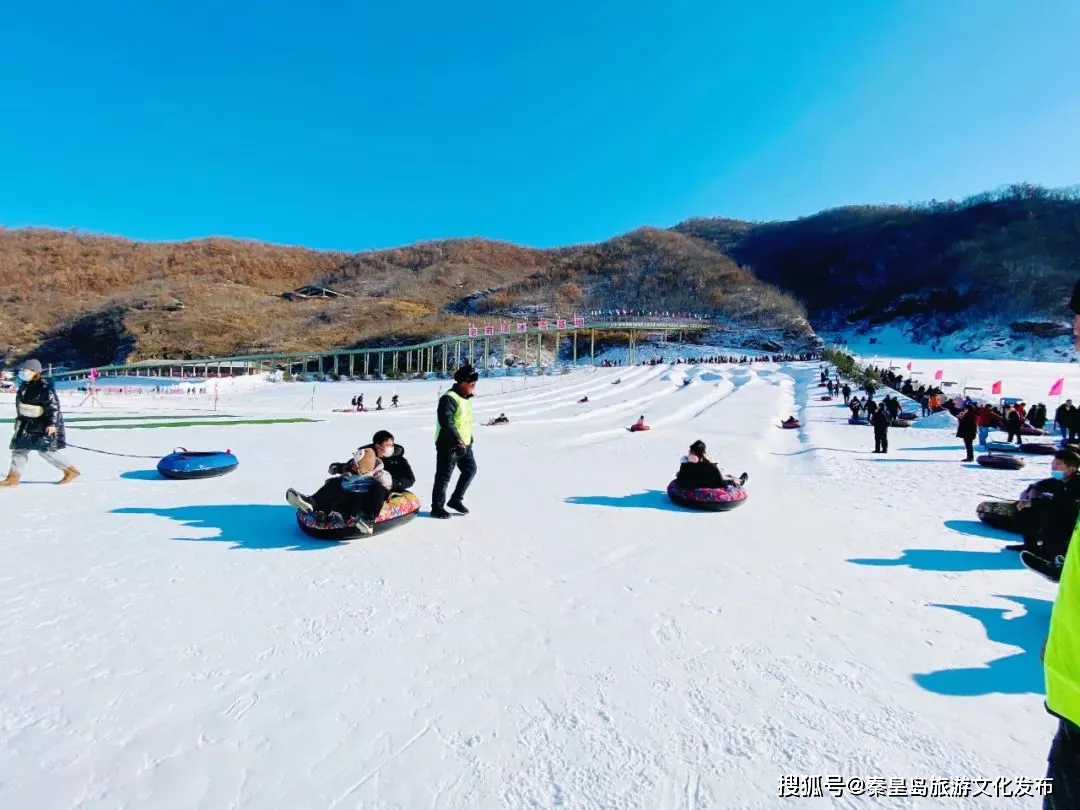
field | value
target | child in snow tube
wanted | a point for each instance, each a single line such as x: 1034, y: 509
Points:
x: 700, y: 484
x: 790, y: 422
x: 639, y: 425
x: 499, y: 420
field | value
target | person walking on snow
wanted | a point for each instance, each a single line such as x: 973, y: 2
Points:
x: 966, y: 429
x: 453, y: 443
x: 880, y: 420
x: 39, y: 425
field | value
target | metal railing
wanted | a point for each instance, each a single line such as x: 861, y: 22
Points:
x: 246, y: 361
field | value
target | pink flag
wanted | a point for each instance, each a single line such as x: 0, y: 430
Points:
x: 909, y: 366
x: 939, y: 374
x: 996, y: 388
x: 1057, y: 388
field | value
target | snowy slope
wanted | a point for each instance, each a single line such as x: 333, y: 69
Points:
x: 575, y: 642
x: 980, y: 341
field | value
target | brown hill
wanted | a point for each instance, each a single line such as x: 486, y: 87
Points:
x: 80, y: 299
x: 1009, y: 256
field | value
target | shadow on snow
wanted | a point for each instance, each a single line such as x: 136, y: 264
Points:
x: 1019, y: 673
x: 254, y: 526
x: 948, y: 560
x: 977, y: 528
x: 649, y: 499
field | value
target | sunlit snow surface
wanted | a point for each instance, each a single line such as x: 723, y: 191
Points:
x: 577, y: 641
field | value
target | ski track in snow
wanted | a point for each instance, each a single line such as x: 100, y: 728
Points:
x: 576, y: 642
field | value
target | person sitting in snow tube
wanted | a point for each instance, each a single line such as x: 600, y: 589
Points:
x: 499, y: 420
x: 360, y: 488
x: 583, y: 400
x: 639, y: 425
x: 1046, y: 513
x: 700, y: 484
x: 790, y: 422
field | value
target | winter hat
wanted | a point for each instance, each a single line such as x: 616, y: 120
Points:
x: 32, y: 365
x: 466, y: 374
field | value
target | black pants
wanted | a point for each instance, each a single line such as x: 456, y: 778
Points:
x: 1013, y: 436
x: 881, y: 440
x: 446, y: 459
x: 331, y: 497
x: 969, y: 446
x: 1064, y: 768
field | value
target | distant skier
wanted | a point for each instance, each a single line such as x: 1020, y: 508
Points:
x: 393, y: 401
x: 39, y: 425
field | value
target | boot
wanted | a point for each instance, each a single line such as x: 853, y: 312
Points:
x: 70, y: 474
x: 12, y: 480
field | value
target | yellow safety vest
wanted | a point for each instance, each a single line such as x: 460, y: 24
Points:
x: 462, y: 418
x: 1061, y: 664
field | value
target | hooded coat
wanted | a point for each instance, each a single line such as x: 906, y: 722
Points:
x: 37, y: 407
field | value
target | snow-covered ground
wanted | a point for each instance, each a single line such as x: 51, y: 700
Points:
x: 577, y: 641
x: 982, y: 341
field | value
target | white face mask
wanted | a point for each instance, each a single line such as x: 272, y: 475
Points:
x: 386, y: 451
x: 25, y: 374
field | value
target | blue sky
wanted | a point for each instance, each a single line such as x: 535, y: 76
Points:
x: 352, y: 125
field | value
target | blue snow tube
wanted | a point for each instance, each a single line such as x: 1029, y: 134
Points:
x: 188, y: 464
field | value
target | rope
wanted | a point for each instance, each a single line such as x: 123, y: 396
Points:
x: 109, y: 452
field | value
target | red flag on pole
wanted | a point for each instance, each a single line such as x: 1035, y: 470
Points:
x: 1057, y: 388
x: 939, y: 374
x: 996, y: 388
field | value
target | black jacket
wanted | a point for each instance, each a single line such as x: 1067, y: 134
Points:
x: 30, y: 429
x: 880, y: 419
x: 967, y: 429
x: 396, y: 464
x: 448, y: 435
x: 700, y: 475
x: 1059, y: 514
x: 1074, y: 302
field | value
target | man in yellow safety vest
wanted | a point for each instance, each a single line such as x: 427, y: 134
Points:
x: 453, y: 443
x: 1061, y: 666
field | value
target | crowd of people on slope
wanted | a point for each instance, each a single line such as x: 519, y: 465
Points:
x: 358, y: 403
x: 732, y: 359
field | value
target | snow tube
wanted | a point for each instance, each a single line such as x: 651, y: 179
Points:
x: 1000, y: 462
x: 496, y: 424
x: 790, y: 425
x: 637, y: 428
x: 189, y: 464
x: 722, y: 499
x: 398, y: 510
x: 907, y: 416
x: 1028, y: 430
x: 858, y: 420
x: 900, y: 423
x: 826, y: 398
x: 999, y: 514
x: 1002, y: 447
x: 1037, y: 449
